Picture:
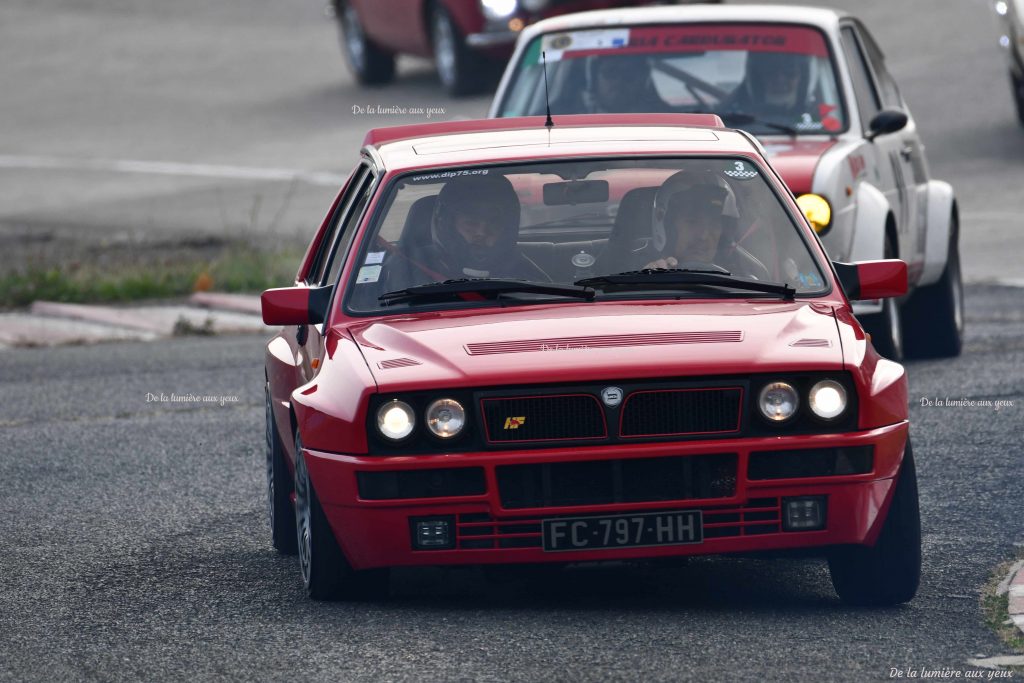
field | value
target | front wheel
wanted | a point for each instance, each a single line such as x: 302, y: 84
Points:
x: 279, y: 489
x: 369, y: 63
x: 458, y: 68
x: 888, y: 573
x: 1017, y: 84
x: 326, y: 574
x: 935, y: 314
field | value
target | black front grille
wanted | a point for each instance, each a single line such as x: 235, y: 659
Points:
x: 543, y: 418
x: 811, y: 462
x: 634, y: 480
x: 432, y: 483
x: 681, y: 411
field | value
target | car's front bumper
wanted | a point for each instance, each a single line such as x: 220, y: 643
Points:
x: 377, y: 533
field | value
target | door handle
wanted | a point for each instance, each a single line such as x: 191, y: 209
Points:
x: 907, y: 152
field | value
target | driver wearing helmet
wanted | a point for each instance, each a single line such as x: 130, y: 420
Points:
x: 694, y: 225
x: 619, y: 84
x: 474, y: 231
x: 774, y: 88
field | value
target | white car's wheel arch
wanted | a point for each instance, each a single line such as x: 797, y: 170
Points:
x: 941, y: 206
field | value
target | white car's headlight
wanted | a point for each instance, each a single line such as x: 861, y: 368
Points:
x: 778, y: 401
x: 395, y: 420
x: 827, y: 399
x: 445, y: 418
x: 498, y: 9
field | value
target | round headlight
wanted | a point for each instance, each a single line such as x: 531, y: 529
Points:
x: 817, y: 210
x: 445, y: 418
x: 778, y: 401
x: 498, y: 9
x: 395, y: 420
x: 827, y: 399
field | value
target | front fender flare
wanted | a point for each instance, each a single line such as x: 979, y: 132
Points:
x: 869, y: 224
x: 941, y: 207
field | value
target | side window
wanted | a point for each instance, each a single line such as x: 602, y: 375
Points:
x: 886, y: 83
x: 349, y: 223
x: 867, y: 98
x: 319, y: 268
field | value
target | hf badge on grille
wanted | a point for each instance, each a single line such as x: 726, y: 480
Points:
x: 612, y: 396
x: 514, y: 422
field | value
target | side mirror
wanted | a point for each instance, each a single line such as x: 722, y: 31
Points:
x: 887, y: 121
x: 866, y: 280
x: 295, y: 305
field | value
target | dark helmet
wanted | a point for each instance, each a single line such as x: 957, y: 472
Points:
x: 487, y: 197
x: 763, y: 67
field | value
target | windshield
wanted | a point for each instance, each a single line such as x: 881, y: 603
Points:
x: 561, y: 222
x: 767, y: 75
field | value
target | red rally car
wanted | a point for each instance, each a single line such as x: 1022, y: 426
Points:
x: 613, y: 338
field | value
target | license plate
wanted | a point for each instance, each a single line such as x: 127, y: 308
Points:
x: 623, y: 531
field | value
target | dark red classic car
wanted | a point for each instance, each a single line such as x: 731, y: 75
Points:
x: 463, y: 36
x: 612, y: 338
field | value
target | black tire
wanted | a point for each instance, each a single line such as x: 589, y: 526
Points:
x: 370, y: 64
x: 326, y: 574
x: 935, y: 314
x: 888, y: 573
x: 461, y: 72
x: 279, y: 490
x: 1017, y: 85
x: 886, y: 328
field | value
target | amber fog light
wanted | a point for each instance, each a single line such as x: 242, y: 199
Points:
x: 778, y: 401
x: 803, y: 514
x: 827, y: 399
x: 445, y: 418
x: 817, y: 210
x: 395, y: 420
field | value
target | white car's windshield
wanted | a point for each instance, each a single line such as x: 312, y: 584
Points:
x: 558, y: 223
x: 765, y: 78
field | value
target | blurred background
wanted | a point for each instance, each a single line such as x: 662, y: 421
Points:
x: 150, y: 147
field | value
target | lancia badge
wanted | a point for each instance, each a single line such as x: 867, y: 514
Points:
x: 612, y: 396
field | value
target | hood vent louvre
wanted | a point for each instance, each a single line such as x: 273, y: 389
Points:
x: 602, y: 342
x: 392, y: 363
x: 812, y: 343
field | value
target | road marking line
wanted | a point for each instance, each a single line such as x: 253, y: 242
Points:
x: 173, y: 168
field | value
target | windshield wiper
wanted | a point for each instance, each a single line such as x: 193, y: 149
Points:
x: 682, y: 277
x: 488, y: 288
x: 743, y: 118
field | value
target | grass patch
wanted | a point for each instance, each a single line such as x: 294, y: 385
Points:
x: 994, y: 607
x: 232, y: 269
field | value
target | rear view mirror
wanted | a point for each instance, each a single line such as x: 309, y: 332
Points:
x: 868, y: 280
x: 295, y: 305
x: 576, y: 192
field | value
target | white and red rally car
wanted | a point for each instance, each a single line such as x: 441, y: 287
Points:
x: 813, y: 86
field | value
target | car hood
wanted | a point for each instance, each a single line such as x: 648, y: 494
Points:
x: 603, y: 341
x: 796, y: 160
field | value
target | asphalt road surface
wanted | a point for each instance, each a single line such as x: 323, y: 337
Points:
x: 132, y: 533
x: 127, y: 121
x: 135, y: 548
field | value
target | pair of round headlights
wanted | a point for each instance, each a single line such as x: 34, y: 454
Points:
x: 445, y: 418
x: 779, y: 401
